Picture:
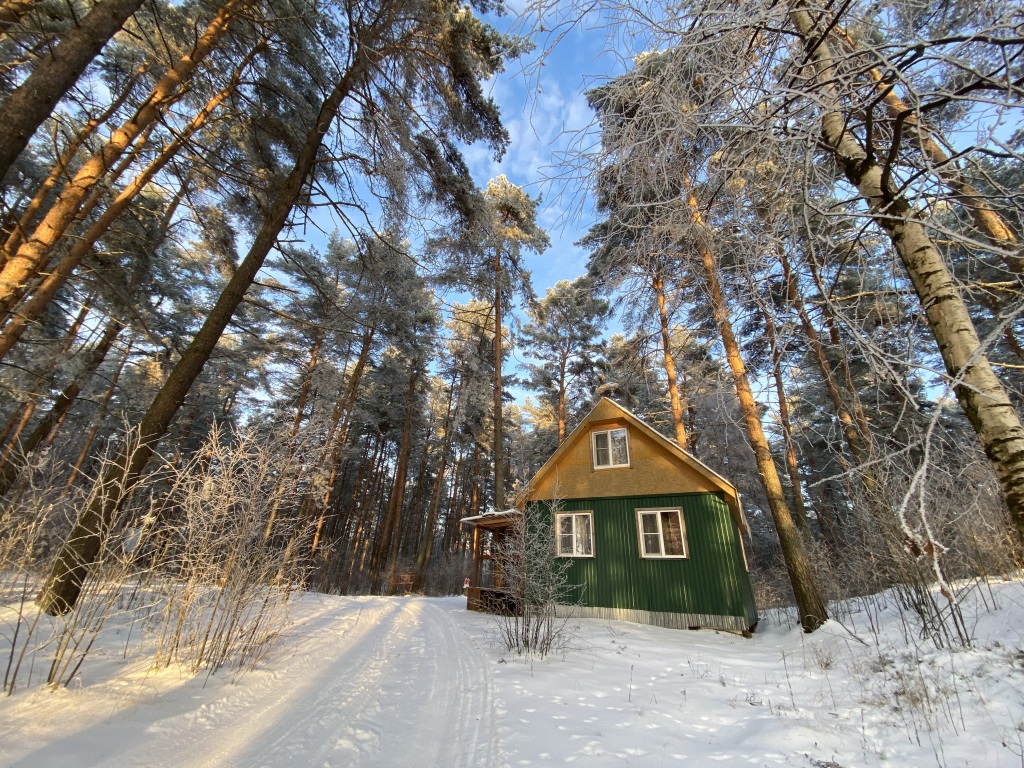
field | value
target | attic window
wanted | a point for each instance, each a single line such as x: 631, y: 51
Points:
x: 575, y: 534
x: 662, y: 533
x: 611, y: 448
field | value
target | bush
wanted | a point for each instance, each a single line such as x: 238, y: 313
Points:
x: 537, y: 582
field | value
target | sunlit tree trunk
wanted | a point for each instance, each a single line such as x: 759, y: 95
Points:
x: 658, y: 284
x: 813, y: 611
x: 61, y: 170
x: 60, y: 593
x: 809, y: 602
x: 307, y: 381
x: 35, y: 252
x: 55, y: 279
x: 11, y: 12
x: 14, y: 429
x: 985, y: 218
x: 792, y: 468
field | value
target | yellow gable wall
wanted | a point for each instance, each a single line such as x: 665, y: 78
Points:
x: 652, y: 471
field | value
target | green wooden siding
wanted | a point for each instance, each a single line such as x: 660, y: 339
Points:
x: 712, y: 580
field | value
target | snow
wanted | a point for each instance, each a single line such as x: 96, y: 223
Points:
x: 370, y: 681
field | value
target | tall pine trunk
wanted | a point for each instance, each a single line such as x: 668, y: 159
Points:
x: 810, y: 604
x: 808, y: 600
x: 387, y: 550
x: 82, y: 546
x: 97, y: 421
x: 337, y: 435
x: 499, y: 437
x: 792, y: 468
x: 853, y: 438
x: 34, y: 254
x: 426, y: 545
x: 55, y: 279
x: 33, y: 101
x: 658, y: 284
x: 61, y: 170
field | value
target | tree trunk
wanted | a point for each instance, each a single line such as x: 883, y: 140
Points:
x: 499, y: 438
x: 307, y: 381
x: 19, y: 420
x: 335, y: 442
x: 32, y: 309
x: 61, y: 170
x: 985, y: 218
x: 670, y: 364
x: 388, y: 537
x: 12, y: 421
x: 416, y: 516
x: 792, y: 468
x: 846, y: 421
x: 842, y: 362
x: 451, y: 520
x: 426, y: 545
x: 812, y: 608
x: 561, y: 399
x: 35, y: 253
x: 33, y: 101
x: 82, y: 546
x: 980, y: 392
x: 49, y: 424
x: 97, y: 421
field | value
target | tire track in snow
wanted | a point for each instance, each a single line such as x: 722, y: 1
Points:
x: 399, y: 686
x: 279, y: 714
x: 473, y: 734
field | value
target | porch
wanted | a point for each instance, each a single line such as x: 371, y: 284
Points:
x: 487, y: 590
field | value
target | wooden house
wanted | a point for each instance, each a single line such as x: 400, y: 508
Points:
x: 654, y: 535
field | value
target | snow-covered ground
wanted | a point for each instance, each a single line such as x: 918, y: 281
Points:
x: 421, y: 682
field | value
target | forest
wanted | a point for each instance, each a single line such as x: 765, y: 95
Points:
x: 262, y: 329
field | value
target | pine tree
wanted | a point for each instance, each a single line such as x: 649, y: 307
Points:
x: 444, y: 72
x: 563, y: 335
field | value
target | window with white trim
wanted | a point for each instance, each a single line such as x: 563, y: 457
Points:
x: 662, y: 533
x: 575, y: 534
x: 610, y: 447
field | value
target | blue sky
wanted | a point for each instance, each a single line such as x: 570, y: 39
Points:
x: 544, y: 109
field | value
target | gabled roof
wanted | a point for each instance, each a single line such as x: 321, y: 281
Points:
x: 608, y: 409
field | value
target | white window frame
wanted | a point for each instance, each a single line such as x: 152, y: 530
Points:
x: 575, y: 532
x: 657, y: 512
x: 593, y: 447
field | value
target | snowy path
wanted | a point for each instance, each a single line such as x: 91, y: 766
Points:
x: 386, y: 682
x: 393, y: 683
